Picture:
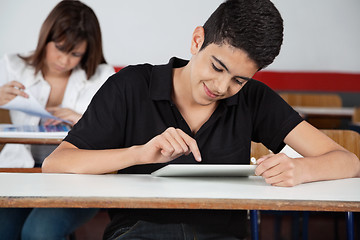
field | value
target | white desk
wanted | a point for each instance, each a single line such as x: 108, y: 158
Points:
x: 30, y: 134
x: 146, y: 191
x: 333, y: 112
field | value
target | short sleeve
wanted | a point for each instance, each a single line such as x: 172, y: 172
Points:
x: 272, y: 117
x: 100, y: 126
x: 109, y: 116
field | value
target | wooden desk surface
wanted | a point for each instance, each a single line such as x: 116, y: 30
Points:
x: 146, y: 191
x: 56, y: 141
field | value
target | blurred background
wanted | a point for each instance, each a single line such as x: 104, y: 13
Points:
x: 320, y: 55
x: 320, y: 37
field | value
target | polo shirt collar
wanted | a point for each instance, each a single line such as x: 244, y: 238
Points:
x: 161, y: 83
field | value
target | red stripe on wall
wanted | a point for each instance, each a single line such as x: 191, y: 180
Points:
x: 310, y: 81
x: 118, y: 68
x: 306, y: 81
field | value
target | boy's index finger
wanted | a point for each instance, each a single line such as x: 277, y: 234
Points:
x: 192, y: 145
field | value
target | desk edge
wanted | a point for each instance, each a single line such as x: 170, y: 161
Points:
x: 178, y: 203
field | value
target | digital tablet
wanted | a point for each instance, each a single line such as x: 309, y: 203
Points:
x: 205, y: 170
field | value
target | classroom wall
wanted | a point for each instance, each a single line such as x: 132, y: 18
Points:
x: 320, y: 35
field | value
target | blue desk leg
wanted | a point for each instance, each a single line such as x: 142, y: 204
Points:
x: 254, y: 224
x: 305, y: 227
x: 350, y: 226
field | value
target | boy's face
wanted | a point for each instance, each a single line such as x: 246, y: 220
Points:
x: 218, y: 71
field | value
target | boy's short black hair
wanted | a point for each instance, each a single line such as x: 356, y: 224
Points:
x: 254, y: 26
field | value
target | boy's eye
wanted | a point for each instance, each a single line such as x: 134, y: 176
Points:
x: 238, y: 81
x: 216, y: 68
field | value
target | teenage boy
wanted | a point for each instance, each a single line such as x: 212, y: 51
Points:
x: 206, y: 110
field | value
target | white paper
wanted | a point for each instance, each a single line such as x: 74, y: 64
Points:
x: 290, y: 152
x: 30, y: 106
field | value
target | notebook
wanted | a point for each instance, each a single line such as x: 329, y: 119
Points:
x: 33, y: 131
x: 205, y: 170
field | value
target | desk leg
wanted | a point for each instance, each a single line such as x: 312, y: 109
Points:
x: 350, y: 226
x: 254, y: 224
x: 305, y: 225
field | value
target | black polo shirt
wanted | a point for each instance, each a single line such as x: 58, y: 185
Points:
x: 134, y: 105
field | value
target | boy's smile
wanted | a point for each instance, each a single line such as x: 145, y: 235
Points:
x: 213, y: 73
x: 218, y: 72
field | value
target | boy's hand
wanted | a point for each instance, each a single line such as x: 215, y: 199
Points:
x: 10, y: 90
x: 171, y: 144
x: 279, y: 170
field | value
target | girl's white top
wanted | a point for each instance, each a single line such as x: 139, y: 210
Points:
x: 78, y: 94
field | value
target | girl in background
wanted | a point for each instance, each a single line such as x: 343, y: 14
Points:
x: 63, y: 73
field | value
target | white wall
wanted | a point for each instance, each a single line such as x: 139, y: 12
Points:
x: 320, y: 35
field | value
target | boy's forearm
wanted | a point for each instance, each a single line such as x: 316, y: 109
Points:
x: 333, y: 165
x: 73, y: 160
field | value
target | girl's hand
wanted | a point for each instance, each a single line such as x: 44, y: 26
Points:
x: 171, y: 144
x: 10, y: 90
x: 63, y: 113
x: 280, y: 170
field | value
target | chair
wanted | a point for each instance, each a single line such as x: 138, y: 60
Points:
x: 348, y: 139
x: 258, y: 150
x: 4, y: 118
x: 311, y: 99
x: 356, y: 116
x: 355, y: 123
x: 315, y: 100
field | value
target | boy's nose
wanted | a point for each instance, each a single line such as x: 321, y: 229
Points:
x: 221, y: 85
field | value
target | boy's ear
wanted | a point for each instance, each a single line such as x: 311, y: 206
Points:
x: 197, y: 40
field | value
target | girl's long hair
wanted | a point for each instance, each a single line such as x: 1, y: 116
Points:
x: 70, y: 22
